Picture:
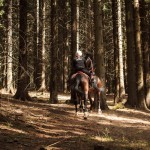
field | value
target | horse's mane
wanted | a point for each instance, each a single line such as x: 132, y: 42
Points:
x: 89, y: 64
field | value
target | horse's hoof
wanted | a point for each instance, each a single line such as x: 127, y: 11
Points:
x: 81, y: 110
x: 76, y: 114
x: 99, y: 112
x: 90, y: 111
x: 86, y: 115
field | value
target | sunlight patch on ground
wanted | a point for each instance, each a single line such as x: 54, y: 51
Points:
x: 139, y: 144
x: 134, y: 111
x: 46, y: 95
x: 63, y: 97
x: 39, y: 94
x: 2, y: 127
x: 50, y: 132
x: 125, y: 120
x: 78, y: 132
x: 103, y: 139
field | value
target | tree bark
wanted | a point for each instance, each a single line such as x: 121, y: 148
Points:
x: 9, y: 79
x: 65, y: 39
x: 22, y: 85
x: 139, y: 58
x: 99, y: 46
x: 43, y: 55
x: 61, y: 41
x: 116, y: 52
x: 36, y: 48
x: 73, y: 32
x: 53, y: 54
x: 3, y: 38
x: 145, y: 47
x: 120, y: 48
x: 131, y: 64
x: 73, y: 28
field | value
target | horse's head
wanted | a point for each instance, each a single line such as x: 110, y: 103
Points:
x: 89, y: 64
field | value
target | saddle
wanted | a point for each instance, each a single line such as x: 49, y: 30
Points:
x: 79, y: 72
x: 91, y: 81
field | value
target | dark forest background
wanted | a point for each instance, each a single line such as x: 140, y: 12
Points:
x: 38, y: 40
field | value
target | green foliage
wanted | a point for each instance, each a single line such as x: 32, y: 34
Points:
x: 119, y: 106
x: 1, y: 4
x: 1, y: 12
x: 147, y: 1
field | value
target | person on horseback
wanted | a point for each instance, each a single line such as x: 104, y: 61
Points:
x: 79, y: 63
x: 83, y: 64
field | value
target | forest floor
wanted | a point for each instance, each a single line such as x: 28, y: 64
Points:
x: 39, y: 125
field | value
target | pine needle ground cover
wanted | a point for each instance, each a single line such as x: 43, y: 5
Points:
x: 35, y: 125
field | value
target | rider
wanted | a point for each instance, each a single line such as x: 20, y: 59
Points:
x: 79, y: 63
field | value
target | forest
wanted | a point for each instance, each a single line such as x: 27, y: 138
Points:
x: 38, y: 41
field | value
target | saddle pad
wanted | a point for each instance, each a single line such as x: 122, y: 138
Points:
x: 79, y: 72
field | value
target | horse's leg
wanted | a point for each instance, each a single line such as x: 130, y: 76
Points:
x: 75, y: 102
x: 99, y: 103
x: 91, y: 102
x: 81, y: 105
x: 85, y: 106
x: 76, y: 109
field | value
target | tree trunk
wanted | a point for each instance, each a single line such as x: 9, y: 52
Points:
x: 3, y: 38
x: 38, y: 50
x: 43, y: 57
x: 36, y: 55
x: 120, y: 46
x: 35, y: 47
x: 9, y: 80
x: 78, y: 13
x: 87, y: 25
x: 61, y: 28
x: 73, y: 32
x: 145, y: 48
x: 54, y: 50
x: 99, y: 46
x: 116, y: 52
x: 65, y: 47
x: 73, y: 28
x: 22, y: 85
x: 139, y: 58
x: 131, y: 64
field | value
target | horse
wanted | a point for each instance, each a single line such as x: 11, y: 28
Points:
x: 97, y: 86
x: 96, y: 90
x: 80, y: 90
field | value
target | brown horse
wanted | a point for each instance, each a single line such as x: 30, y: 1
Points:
x: 97, y: 87
x: 95, y: 90
x: 80, y: 90
x: 81, y: 93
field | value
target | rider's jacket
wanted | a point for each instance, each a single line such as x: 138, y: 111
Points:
x: 79, y: 63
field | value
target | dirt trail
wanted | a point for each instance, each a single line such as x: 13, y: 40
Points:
x: 38, y: 125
